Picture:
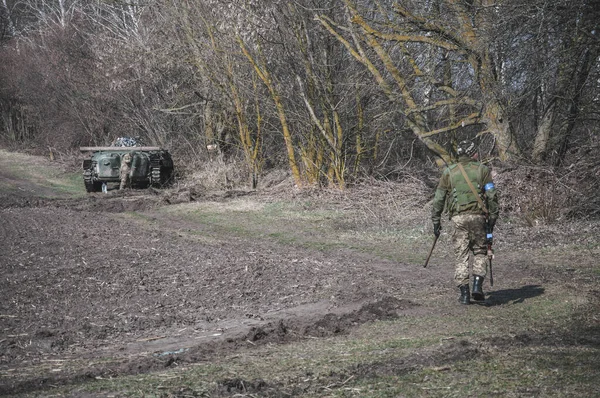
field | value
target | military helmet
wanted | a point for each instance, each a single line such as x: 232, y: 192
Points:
x: 466, y: 148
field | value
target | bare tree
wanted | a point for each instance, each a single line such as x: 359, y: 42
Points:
x: 293, y: 82
x: 398, y: 42
x: 567, y: 33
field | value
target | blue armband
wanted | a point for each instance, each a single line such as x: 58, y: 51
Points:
x: 488, y: 186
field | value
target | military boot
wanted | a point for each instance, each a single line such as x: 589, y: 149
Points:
x: 464, y: 295
x: 478, y: 294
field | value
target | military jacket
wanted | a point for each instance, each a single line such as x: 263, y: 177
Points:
x: 454, y: 194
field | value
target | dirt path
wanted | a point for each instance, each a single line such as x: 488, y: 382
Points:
x: 89, y: 283
x: 85, y: 281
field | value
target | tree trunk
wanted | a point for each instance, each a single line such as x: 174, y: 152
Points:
x: 542, y: 137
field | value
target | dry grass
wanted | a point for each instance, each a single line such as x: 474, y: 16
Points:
x: 216, y: 175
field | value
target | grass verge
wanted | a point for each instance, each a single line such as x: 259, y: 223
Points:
x: 38, y: 177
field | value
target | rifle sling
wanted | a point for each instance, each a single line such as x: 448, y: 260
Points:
x: 464, y: 173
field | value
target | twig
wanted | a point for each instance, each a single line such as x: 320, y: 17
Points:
x: 152, y: 338
x: 338, y: 384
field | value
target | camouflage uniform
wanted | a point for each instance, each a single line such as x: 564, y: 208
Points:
x: 125, y: 171
x: 469, y: 234
x: 454, y: 194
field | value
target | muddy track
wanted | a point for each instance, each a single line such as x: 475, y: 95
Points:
x: 83, y: 280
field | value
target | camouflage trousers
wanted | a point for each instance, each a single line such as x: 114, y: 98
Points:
x: 124, y: 176
x: 469, y: 238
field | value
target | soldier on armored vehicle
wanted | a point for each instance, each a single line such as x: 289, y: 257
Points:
x: 125, y: 171
x: 147, y: 165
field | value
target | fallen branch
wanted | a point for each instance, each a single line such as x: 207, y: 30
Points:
x: 152, y: 338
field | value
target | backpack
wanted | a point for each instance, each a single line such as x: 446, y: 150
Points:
x: 461, y: 198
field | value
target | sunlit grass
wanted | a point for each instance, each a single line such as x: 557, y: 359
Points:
x: 303, y: 225
x: 43, y: 181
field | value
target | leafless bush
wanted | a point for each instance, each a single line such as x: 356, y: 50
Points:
x: 531, y: 193
x: 219, y: 175
x: 550, y: 195
x: 388, y: 203
x: 375, y: 204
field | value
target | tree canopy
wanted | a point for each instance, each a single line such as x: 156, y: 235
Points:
x: 333, y: 90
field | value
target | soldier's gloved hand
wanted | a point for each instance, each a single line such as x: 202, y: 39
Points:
x: 491, y: 222
x: 437, y: 227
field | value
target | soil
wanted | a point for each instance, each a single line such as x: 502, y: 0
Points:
x: 82, y: 280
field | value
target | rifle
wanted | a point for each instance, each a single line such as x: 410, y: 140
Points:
x: 431, y: 251
x: 490, y: 252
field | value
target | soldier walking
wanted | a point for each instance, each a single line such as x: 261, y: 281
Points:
x: 468, y: 192
x: 125, y: 171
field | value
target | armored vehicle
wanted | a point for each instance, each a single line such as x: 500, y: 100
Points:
x: 149, y: 166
